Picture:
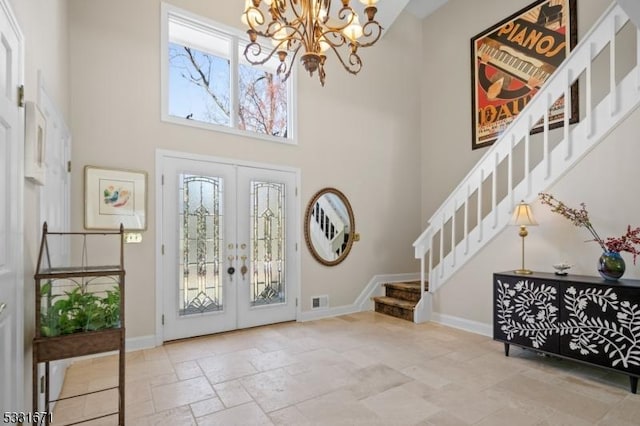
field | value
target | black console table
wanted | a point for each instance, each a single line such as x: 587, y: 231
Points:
x: 582, y: 318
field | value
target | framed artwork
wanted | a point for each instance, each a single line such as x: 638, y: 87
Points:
x: 114, y: 196
x: 35, y: 140
x: 511, y: 61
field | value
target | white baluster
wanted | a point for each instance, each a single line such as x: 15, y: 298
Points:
x: 589, y: 92
x: 480, y: 205
x: 466, y: 221
x: 567, y: 114
x: 453, y: 234
x: 510, y: 170
x: 546, y: 156
x: 612, y: 66
x: 494, y: 190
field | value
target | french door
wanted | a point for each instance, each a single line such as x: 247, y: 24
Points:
x: 229, y: 241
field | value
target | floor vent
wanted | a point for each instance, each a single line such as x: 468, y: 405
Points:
x: 320, y: 302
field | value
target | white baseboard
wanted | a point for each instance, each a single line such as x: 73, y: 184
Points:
x: 463, y: 324
x: 363, y: 302
x: 317, y: 314
x: 138, y: 343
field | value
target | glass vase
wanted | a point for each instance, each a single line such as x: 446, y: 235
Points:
x: 611, y: 265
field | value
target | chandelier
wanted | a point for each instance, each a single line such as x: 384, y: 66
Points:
x: 308, y: 25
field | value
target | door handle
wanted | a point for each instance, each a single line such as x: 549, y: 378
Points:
x: 2, y: 307
x: 231, y: 270
x: 243, y: 268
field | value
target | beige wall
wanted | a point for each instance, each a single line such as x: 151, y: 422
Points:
x: 44, y: 27
x: 601, y: 180
x: 358, y: 134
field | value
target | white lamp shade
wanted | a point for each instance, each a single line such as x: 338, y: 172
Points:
x: 522, y: 215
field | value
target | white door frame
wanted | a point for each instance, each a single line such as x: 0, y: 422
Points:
x: 17, y: 195
x: 55, y: 207
x: 161, y: 154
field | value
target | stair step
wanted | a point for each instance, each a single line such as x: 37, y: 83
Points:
x: 409, y: 291
x: 395, y: 307
x: 412, y: 286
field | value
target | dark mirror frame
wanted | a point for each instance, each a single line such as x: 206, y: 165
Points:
x: 307, y: 221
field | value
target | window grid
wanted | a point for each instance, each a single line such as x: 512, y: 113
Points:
x: 279, y: 127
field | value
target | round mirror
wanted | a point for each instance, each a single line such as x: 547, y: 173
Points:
x: 329, y: 226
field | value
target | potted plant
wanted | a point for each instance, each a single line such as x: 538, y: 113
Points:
x: 78, y: 310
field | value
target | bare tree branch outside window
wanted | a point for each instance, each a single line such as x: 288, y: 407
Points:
x: 200, y: 90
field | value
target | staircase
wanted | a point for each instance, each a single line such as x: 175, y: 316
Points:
x: 481, y: 205
x: 400, y: 299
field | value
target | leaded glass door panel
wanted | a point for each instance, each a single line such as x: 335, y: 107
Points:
x: 267, y: 227
x: 199, y: 224
x: 230, y: 236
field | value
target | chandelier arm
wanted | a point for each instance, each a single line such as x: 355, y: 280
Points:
x: 257, y: 50
x: 257, y: 17
x: 371, y: 29
x: 336, y: 37
x: 346, y: 11
x: 289, y: 67
x: 294, y: 11
x: 354, y: 64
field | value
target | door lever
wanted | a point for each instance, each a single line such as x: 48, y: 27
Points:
x: 243, y: 268
x: 2, y: 307
x: 231, y: 270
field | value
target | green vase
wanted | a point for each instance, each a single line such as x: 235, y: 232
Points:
x: 611, y: 265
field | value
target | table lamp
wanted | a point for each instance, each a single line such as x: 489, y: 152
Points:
x: 523, y: 217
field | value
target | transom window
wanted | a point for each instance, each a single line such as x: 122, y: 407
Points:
x: 208, y: 83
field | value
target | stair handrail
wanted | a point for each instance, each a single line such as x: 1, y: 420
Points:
x: 602, y: 33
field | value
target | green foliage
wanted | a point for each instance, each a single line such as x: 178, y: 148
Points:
x: 79, y: 310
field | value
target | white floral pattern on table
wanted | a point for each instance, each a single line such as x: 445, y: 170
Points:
x: 529, y: 309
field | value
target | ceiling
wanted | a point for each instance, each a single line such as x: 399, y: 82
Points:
x: 389, y: 10
x: 422, y: 8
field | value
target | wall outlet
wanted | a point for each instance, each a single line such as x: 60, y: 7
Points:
x: 132, y: 237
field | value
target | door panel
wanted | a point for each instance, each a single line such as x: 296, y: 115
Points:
x: 11, y: 140
x: 265, y: 214
x: 198, y: 224
x: 229, y: 240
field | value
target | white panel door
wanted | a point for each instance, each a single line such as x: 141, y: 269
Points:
x: 11, y: 139
x: 229, y: 235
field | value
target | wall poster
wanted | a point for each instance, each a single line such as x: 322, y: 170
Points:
x: 512, y: 60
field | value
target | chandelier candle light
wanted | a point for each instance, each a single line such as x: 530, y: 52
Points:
x: 523, y: 217
x: 310, y: 26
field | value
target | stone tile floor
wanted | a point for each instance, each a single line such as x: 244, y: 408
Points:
x: 361, y: 369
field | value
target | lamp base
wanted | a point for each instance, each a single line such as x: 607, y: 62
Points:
x: 523, y: 271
